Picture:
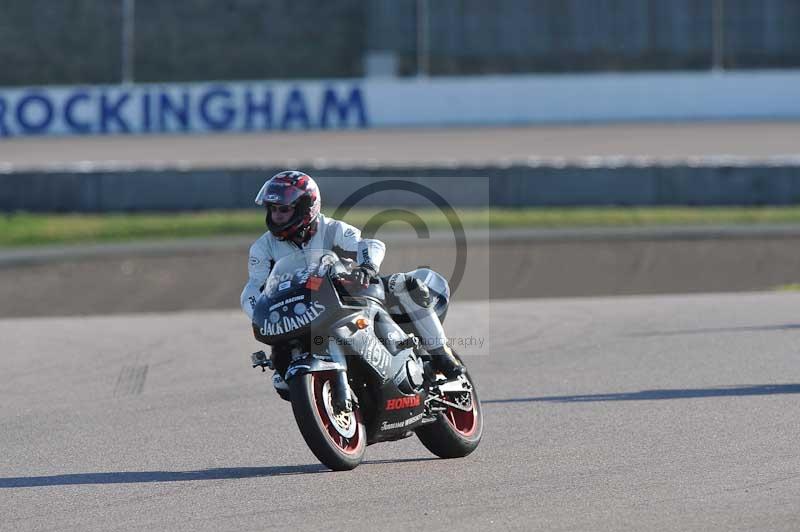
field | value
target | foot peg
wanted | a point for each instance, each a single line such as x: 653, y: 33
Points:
x: 259, y: 359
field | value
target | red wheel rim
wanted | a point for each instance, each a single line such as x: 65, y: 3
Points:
x: 346, y: 445
x: 465, y: 423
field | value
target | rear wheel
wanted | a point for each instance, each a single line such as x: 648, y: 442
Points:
x: 337, y: 440
x: 457, y: 431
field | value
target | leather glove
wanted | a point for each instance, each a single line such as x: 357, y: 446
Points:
x: 363, y: 275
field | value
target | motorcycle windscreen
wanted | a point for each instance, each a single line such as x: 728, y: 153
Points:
x: 297, y: 268
x: 296, y: 297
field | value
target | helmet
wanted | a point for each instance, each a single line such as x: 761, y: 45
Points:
x: 298, y: 190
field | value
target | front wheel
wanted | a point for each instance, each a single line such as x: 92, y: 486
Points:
x: 337, y: 440
x: 456, y: 431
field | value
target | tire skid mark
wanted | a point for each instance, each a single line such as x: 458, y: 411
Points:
x: 131, y: 380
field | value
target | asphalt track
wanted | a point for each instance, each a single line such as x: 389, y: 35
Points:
x: 638, y: 413
x: 659, y: 142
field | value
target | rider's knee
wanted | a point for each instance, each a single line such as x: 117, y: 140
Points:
x: 419, y: 292
x: 406, y: 287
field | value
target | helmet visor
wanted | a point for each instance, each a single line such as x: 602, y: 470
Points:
x: 278, y: 193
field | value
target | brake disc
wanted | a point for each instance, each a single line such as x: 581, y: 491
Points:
x: 344, y: 422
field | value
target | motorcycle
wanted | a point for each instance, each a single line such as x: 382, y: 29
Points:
x: 357, y: 375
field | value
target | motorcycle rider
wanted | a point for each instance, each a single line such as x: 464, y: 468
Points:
x: 292, y: 202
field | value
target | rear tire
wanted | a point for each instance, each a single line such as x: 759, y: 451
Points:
x: 455, y: 433
x: 338, y: 442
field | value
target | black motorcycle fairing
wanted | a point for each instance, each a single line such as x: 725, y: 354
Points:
x: 310, y: 314
x: 397, y: 414
x: 392, y: 404
x: 310, y: 364
x: 379, y: 345
x: 391, y: 334
x: 298, y: 311
x: 374, y: 290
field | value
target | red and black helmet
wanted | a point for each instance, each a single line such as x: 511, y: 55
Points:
x: 299, y: 191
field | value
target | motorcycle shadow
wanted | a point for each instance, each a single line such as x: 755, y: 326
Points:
x: 654, y: 395
x: 140, y: 477
x: 400, y: 460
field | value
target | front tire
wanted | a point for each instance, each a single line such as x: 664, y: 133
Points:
x: 455, y: 433
x: 339, y: 441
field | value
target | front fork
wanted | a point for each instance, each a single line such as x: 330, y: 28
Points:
x: 342, y: 400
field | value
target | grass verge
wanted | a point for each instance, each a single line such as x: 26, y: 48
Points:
x: 25, y: 229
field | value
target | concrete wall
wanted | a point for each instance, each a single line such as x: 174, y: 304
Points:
x: 515, y: 186
x: 342, y: 104
x: 208, y: 275
x: 577, y: 98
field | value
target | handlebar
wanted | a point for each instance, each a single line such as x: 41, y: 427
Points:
x: 343, y: 279
x: 346, y: 280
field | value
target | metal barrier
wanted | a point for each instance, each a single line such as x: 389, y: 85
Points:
x: 85, y: 41
x: 515, y: 186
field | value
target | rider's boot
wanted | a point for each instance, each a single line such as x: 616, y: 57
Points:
x: 261, y: 360
x: 280, y: 386
x: 443, y: 359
